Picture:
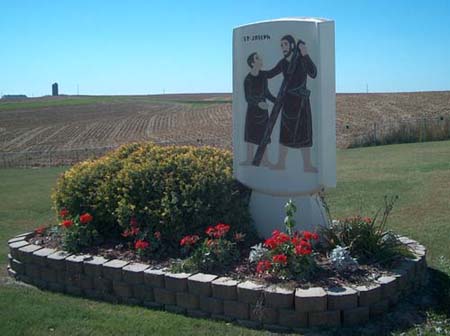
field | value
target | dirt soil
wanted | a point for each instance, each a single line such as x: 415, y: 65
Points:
x: 326, y: 276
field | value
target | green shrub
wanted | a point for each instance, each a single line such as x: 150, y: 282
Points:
x: 174, y: 190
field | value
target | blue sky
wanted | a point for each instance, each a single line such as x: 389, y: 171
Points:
x: 150, y: 47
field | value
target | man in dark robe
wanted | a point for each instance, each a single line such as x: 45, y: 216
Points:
x: 256, y: 92
x: 296, y: 121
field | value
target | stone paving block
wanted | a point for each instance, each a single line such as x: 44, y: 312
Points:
x: 73, y: 290
x: 342, y: 298
x: 94, y: 267
x: 17, y: 266
x: 197, y: 313
x: 56, y: 287
x: 103, y: 285
x: 401, y: 275
x: 187, y: 300
x: 154, y: 277
x: 40, y: 256
x: 73, y: 280
x: 224, y: 288
x: 250, y: 292
x: 143, y: 292
x: 388, y: 286
x: 355, y: 316
x: 379, y: 308
x: 292, y: 318
x: 86, y: 282
x: 57, y: 260
x: 49, y: 274
x: 134, y: 273
x: 14, y: 246
x: 111, y: 298
x: 40, y: 283
x: 33, y: 271
x: 200, y: 284
x: 176, y: 282
x: 122, y: 289
x: 394, y: 299
x: 275, y: 328
x: 74, y: 263
x: 249, y: 324
x: 25, y: 253
x: 165, y: 296
x: 175, y: 309
x: 12, y: 273
x: 263, y: 314
x: 26, y: 235
x: 211, y: 305
x: 61, y: 276
x: 313, y: 299
x: 279, y: 297
x: 235, y: 309
x: 325, y: 319
x: 131, y: 301
x: 15, y: 240
x: 153, y: 305
x: 368, y: 295
x: 93, y: 294
x: 113, y: 269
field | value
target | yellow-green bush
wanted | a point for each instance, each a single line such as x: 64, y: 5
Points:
x: 174, y: 190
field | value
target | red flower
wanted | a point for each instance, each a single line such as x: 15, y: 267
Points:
x: 157, y: 235
x: 309, y: 235
x: 141, y: 245
x: 131, y: 232
x: 189, y: 240
x: 302, y: 250
x: 67, y: 223
x: 133, y: 222
x: 277, y: 239
x: 280, y: 259
x: 86, y: 218
x: 64, y: 213
x: 221, y: 230
x: 263, y: 266
x: 218, y: 231
x: 210, y: 231
x: 40, y: 230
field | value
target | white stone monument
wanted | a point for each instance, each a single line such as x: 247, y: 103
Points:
x: 284, y: 115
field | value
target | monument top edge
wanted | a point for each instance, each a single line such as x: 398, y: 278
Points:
x: 289, y: 19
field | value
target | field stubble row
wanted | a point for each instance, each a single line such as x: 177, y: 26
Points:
x: 56, y: 133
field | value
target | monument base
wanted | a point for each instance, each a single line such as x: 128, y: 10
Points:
x: 268, y: 212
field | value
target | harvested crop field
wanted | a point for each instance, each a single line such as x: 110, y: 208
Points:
x: 65, y: 129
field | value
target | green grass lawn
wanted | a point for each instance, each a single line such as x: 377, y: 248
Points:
x: 418, y: 173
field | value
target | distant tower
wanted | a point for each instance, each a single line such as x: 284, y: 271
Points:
x: 54, y: 89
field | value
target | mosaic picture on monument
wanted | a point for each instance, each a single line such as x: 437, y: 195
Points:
x: 292, y: 103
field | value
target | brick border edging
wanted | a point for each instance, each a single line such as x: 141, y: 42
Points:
x: 206, y: 295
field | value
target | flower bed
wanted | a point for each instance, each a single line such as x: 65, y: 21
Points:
x: 250, y: 303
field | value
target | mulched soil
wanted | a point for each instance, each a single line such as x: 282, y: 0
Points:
x: 326, y: 276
